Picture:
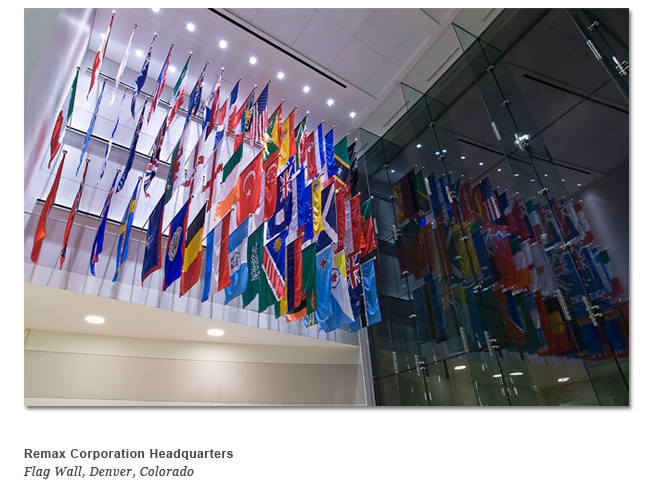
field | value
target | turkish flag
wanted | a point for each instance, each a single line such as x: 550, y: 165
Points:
x: 249, y: 183
x: 270, y: 187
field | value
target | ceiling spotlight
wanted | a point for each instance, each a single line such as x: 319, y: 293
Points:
x: 463, y: 157
x: 190, y: 27
x: 253, y: 60
x: 392, y: 171
x: 306, y: 89
x: 419, y: 145
x: 437, y: 153
x: 94, y: 319
x: 215, y: 332
x: 579, y: 184
x: 563, y: 379
x: 139, y: 53
x: 481, y: 163
x: 516, y: 374
x: 516, y: 174
x: 499, y: 169
x: 280, y: 75
x: 352, y: 114
x: 444, y: 151
x: 223, y: 44
x: 460, y: 367
x: 497, y: 375
x: 331, y: 101
x: 156, y: 9
x: 172, y: 69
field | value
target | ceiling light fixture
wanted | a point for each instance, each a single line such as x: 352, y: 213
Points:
x: 156, y: 9
x: 352, y: 114
x: 392, y: 171
x: 139, y: 53
x: 331, y: 101
x: 306, y: 89
x: 223, y: 44
x: 516, y: 374
x: 579, y: 184
x: 95, y: 319
x: 499, y: 169
x: 419, y: 145
x: 481, y: 163
x: 190, y: 27
x: 215, y: 332
x: 497, y: 375
x: 253, y: 60
x: 463, y: 157
x: 172, y: 69
x: 460, y: 367
x: 563, y: 379
x: 280, y: 75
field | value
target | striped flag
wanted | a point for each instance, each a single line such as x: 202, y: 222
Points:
x: 159, y: 85
x: 112, y: 136
x: 72, y: 214
x: 58, y: 130
x: 211, y: 107
x: 192, y: 256
x: 90, y: 129
x: 40, y: 233
x: 178, y: 94
x: 195, y: 96
x: 131, y: 153
x: 100, y: 55
x: 97, y: 246
x: 142, y: 77
x: 122, y: 66
x: 233, y: 98
x: 489, y: 200
x: 123, y: 243
x: 260, y: 122
x: 152, y: 166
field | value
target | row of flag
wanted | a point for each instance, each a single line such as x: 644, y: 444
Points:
x: 287, y: 224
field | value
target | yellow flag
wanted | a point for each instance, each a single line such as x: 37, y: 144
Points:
x: 317, y: 211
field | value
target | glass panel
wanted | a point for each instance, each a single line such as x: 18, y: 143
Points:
x: 449, y: 387
x: 412, y: 389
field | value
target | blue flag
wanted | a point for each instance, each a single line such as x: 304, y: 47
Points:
x: 238, y: 269
x: 131, y: 153
x: 141, y: 78
x: 195, y: 97
x: 283, y: 207
x: 342, y: 313
x: 308, y: 213
x: 330, y: 155
x: 123, y: 242
x: 97, y: 247
x: 355, y: 290
x: 329, y: 218
x: 175, y: 247
x: 151, y: 261
x: 90, y: 129
x: 208, y: 266
x: 323, y: 285
x: 372, y: 307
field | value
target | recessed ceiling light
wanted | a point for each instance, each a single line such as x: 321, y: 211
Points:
x: 460, y: 367
x: 444, y: 151
x: 223, y: 44
x: 306, y: 89
x: 419, y: 145
x: 139, y: 53
x: 563, y: 379
x: 392, y: 171
x: 215, y: 332
x: 172, y: 69
x: 280, y: 75
x: 95, y: 319
x: 499, y: 169
x: 463, y: 157
x: 190, y: 27
x: 497, y: 375
x: 352, y: 114
x: 516, y: 374
x: 533, y: 180
x: 253, y: 60
x: 331, y: 101
x: 579, y: 184
x: 156, y: 9
x: 481, y: 163
x: 437, y: 153
x: 516, y: 174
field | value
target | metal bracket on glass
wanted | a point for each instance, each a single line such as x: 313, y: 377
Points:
x: 432, y: 124
x: 465, y: 342
x: 375, y: 225
x: 505, y: 103
x: 544, y: 190
x: 491, y: 342
x: 490, y: 68
x: 412, y: 317
x: 593, y: 25
x: 621, y: 67
x: 567, y: 245
x: 421, y: 365
x: 385, y: 166
x: 521, y: 141
x: 594, y: 50
x: 478, y: 287
x: 396, y: 364
x: 564, y: 307
x: 591, y: 311
x: 496, y: 131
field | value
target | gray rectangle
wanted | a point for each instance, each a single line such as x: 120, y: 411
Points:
x: 124, y: 463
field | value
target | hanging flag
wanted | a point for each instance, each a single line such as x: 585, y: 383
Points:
x: 323, y: 285
x: 208, y: 265
x: 211, y: 108
x: 192, y: 253
x: 319, y: 153
x: 154, y: 157
x: 131, y: 153
x: 312, y: 159
x: 367, y: 229
x: 421, y: 193
x: 40, y: 233
x: 341, y: 194
x: 175, y: 247
x: 175, y: 176
x: 348, y: 226
x: 255, y: 248
x: 213, y: 183
x: 274, y: 263
x: 97, y: 246
x: 220, y: 133
x: 282, y: 215
x: 123, y: 242
x: 270, y: 143
x: 260, y: 120
x: 287, y: 142
x: 342, y: 162
x: 312, y: 208
x: 90, y: 129
x: 216, y: 271
x: 58, y: 132
x: 297, y: 305
x: 237, y: 248
x: 195, y: 96
x: 159, y: 86
x: 179, y: 92
x: 229, y: 190
x: 249, y: 183
x: 330, y: 164
x: 370, y: 292
x: 342, y: 313
x: 112, y: 136
x: 194, y: 165
x: 354, y: 286
x: 100, y: 55
x: 354, y: 176
x: 142, y: 77
x: 297, y: 197
x: 122, y: 66
x: 72, y: 214
x: 328, y: 218
x: 244, y: 119
x: 489, y: 199
x: 233, y: 98
x: 356, y: 224
x: 404, y: 197
x: 300, y: 138
x: 151, y: 261
x: 308, y: 279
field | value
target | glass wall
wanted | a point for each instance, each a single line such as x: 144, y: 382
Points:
x: 494, y: 289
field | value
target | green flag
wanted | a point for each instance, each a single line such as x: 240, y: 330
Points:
x: 255, y: 248
x: 72, y: 96
x: 308, y: 284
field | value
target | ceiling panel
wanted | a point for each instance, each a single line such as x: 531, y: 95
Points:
x: 438, y: 14
x: 284, y: 24
x: 321, y: 40
x: 380, y: 80
x: 350, y: 19
x: 410, y: 46
x: 385, y: 30
x: 357, y: 62
x: 246, y: 14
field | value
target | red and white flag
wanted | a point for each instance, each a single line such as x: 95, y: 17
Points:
x: 249, y: 183
x: 100, y: 55
x: 122, y: 67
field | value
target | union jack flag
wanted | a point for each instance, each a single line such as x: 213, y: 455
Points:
x: 354, y: 271
x: 152, y: 166
x: 285, y: 189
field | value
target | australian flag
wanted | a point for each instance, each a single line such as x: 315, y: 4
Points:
x: 282, y: 216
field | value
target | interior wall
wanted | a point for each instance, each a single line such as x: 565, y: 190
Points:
x: 76, y: 370
x: 606, y: 204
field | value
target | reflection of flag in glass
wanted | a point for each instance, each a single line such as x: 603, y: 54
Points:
x: 489, y: 199
x: 175, y: 247
x: 421, y: 193
x: 342, y: 313
x: 404, y: 197
x: 97, y: 246
x: 125, y: 231
x: 192, y: 253
x: 237, y: 248
x: 367, y: 229
x: 72, y: 214
x: 152, y: 261
x: 328, y: 218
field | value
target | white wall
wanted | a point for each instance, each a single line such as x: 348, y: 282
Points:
x: 77, y: 369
